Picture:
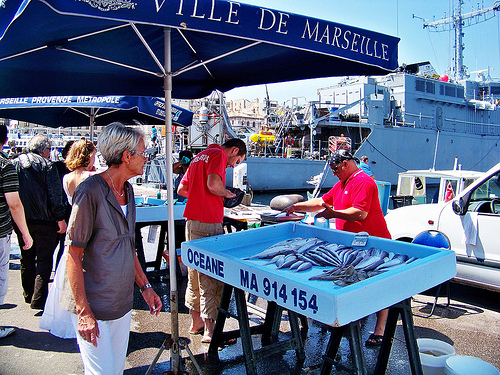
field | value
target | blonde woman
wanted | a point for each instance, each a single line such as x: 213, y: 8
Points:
x: 80, y: 161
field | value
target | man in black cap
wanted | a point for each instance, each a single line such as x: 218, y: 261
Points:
x: 354, y: 204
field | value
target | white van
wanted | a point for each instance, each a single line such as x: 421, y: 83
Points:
x: 471, y: 220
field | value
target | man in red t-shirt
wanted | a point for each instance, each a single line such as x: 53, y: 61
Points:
x: 204, y: 187
x: 355, y: 205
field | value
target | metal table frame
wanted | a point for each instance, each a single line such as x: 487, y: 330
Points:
x: 269, y: 330
x: 402, y: 308
x: 162, y: 244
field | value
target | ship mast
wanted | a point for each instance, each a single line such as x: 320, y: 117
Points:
x: 457, y: 22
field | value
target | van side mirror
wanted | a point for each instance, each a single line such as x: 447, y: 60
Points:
x: 459, y: 206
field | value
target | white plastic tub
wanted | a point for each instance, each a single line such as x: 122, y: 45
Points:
x: 466, y: 365
x: 433, y: 355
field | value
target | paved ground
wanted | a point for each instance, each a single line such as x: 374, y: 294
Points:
x: 471, y: 324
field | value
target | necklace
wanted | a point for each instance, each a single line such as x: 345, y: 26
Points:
x: 113, y: 185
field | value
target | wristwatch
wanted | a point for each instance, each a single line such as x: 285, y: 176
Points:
x: 144, y: 287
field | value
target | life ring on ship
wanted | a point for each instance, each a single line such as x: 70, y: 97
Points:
x: 289, y: 140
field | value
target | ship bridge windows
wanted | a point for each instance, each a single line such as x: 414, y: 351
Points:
x: 450, y: 91
x: 427, y: 86
x: 420, y: 85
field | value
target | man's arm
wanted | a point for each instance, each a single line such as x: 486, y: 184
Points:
x: 312, y: 205
x: 17, y: 211
x: 182, y: 190
x: 348, y: 214
x: 216, y: 187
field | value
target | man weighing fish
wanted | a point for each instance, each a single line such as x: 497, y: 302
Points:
x: 354, y: 204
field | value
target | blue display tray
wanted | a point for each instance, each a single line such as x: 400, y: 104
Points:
x: 222, y: 257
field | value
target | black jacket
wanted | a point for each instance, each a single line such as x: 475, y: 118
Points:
x: 40, y: 189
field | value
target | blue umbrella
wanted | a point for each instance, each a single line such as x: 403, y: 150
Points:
x: 68, y: 111
x: 180, y: 48
x: 117, y: 47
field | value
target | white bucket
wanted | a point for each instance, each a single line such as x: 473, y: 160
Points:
x: 433, y: 355
x: 466, y: 365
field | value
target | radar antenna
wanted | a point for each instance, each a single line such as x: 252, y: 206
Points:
x: 457, y: 22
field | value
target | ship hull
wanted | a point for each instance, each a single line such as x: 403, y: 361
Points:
x: 282, y: 174
x: 391, y: 150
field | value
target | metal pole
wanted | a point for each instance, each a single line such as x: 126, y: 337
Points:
x: 436, y: 150
x: 174, y: 312
x: 92, y: 120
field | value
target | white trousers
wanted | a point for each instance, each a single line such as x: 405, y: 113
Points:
x: 4, y: 266
x: 109, y: 356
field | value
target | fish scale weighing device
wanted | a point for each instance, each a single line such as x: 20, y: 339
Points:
x: 223, y: 258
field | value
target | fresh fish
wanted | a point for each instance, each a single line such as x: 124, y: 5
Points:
x: 365, y: 261
x: 282, y: 247
x: 273, y: 260
x: 288, y: 261
x: 311, y: 244
x: 389, y: 264
x: 280, y: 261
x: 373, y: 265
x: 327, y: 254
x: 401, y: 257
x: 350, y: 265
x: 358, y: 258
x: 296, y: 264
x: 304, y: 266
x: 306, y: 258
x: 411, y: 259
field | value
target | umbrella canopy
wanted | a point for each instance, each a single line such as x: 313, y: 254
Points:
x: 180, y: 48
x: 117, y: 47
x: 68, y: 111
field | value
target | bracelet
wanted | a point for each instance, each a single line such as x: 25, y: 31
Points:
x: 144, y: 287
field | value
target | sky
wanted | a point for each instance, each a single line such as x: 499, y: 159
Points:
x: 393, y: 17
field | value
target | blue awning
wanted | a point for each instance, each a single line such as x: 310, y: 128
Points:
x: 87, y: 110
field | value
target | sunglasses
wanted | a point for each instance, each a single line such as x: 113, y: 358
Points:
x: 336, y: 167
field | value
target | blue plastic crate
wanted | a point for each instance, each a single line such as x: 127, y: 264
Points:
x: 222, y: 257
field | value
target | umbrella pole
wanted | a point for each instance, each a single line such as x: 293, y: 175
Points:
x: 174, y: 343
x: 174, y: 312
x: 92, y: 120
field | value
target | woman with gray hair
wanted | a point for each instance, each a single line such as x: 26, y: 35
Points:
x: 102, y: 265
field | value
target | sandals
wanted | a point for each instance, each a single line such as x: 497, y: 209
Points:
x: 206, y: 340
x: 374, y: 340
x: 197, y: 331
x: 228, y: 342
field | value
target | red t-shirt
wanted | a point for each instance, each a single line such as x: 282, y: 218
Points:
x: 201, y: 204
x: 358, y: 191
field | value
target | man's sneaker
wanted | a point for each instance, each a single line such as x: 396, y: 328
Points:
x: 6, y: 331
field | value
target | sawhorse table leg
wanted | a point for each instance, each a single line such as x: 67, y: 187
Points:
x: 404, y: 309
x: 268, y: 330
x: 355, y: 345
